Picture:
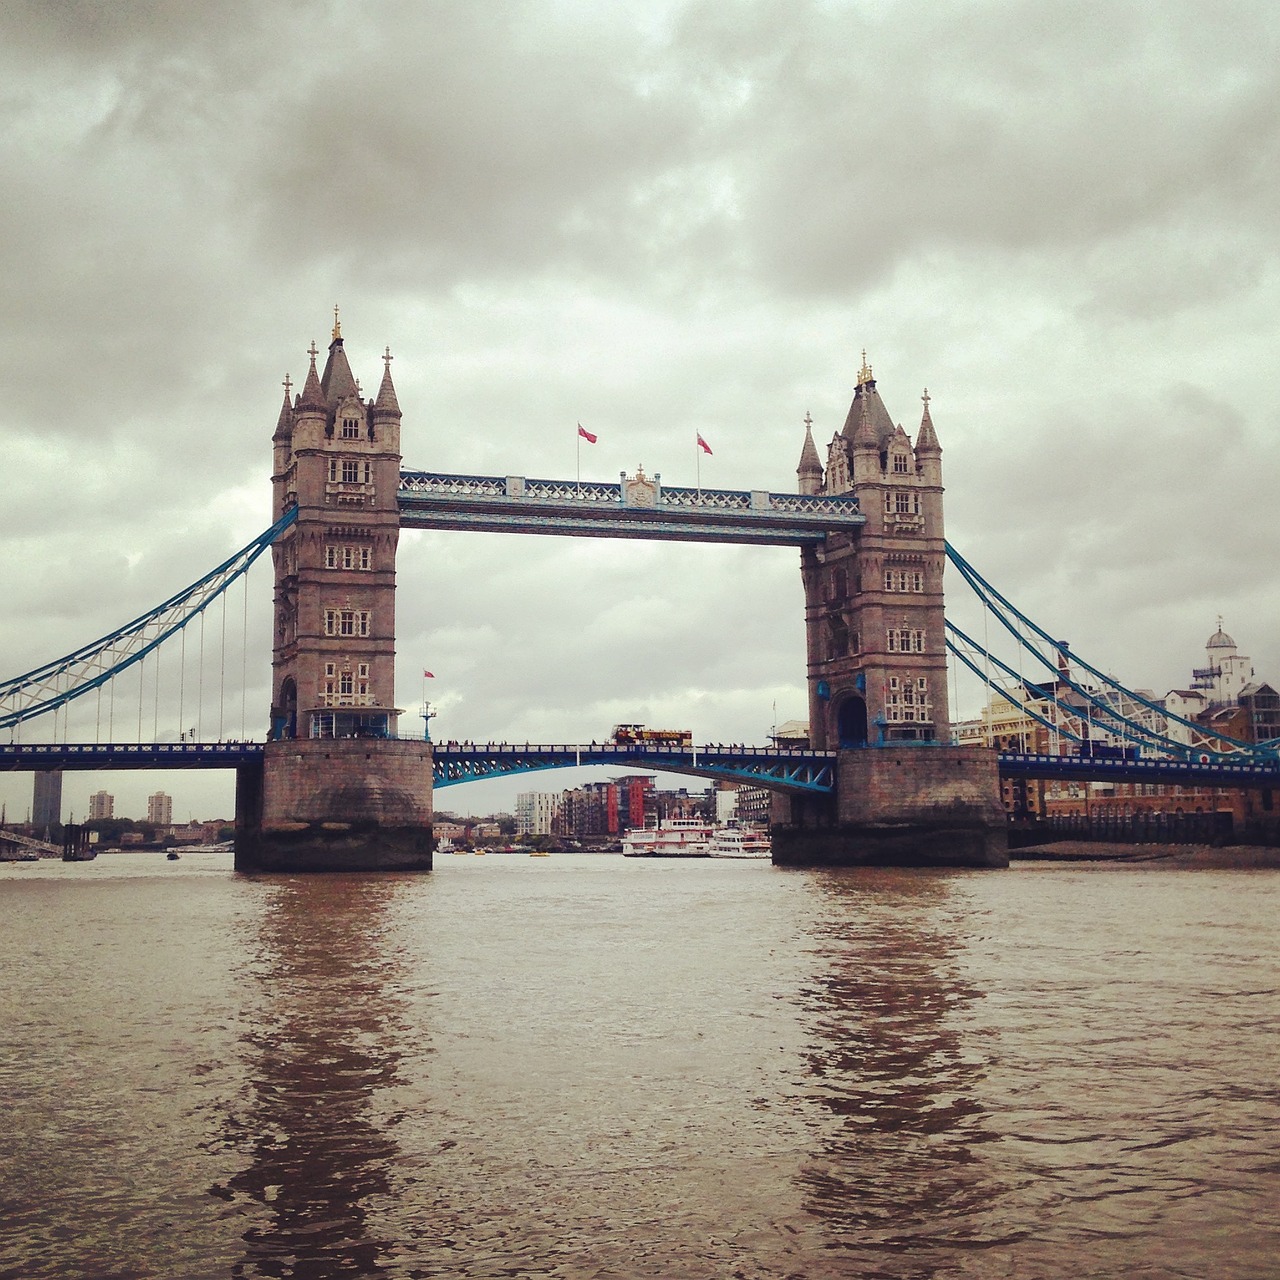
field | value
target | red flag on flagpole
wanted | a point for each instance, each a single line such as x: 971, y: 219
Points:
x: 585, y: 434
x: 428, y: 675
x: 702, y: 444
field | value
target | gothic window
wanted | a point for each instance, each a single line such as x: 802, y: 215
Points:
x: 900, y: 464
x: 905, y: 640
x: 904, y: 580
x: 837, y: 637
x: 347, y: 622
x: 907, y: 699
x: 349, y: 471
x: 840, y: 584
x: 902, y: 503
x: 348, y: 557
x: 344, y: 686
x: 351, y: 428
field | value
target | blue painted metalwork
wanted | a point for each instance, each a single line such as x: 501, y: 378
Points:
x: 515, y: 504
x: 1108, y: 714
x: 1216, y: 771
x: 962, y: 656
x: 64, y: 679
x: 38, y: 756
x: 776, y: 768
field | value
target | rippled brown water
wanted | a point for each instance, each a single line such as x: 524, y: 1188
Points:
x: 598, y: 1067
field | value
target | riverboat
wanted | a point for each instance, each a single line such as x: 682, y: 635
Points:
x: 671, y: 838
x: 734, y: 841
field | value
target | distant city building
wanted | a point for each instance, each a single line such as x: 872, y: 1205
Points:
x: 755, y: 805
x: 46, y: 804
x: 160, y: 810
x: 792, y: 733
x: 1262, y: 703
x: 606, y: 808
x: 1226, y: 672
x: 101, y: 805
x: 1225, y: 699
x: 535, y: 812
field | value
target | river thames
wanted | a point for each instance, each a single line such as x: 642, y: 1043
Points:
x: 590, y: 1066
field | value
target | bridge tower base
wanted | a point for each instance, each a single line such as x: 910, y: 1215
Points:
x: 345, y: 804
x: 915, y: 806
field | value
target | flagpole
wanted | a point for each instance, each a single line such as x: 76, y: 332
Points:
x: 697, y: 464
x: 577, y: 437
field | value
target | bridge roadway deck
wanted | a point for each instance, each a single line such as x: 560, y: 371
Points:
x: 514, y: 504
x: 777, y: 768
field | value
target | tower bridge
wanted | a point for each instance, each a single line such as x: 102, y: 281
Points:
x: 339, y: 788
x: 336, y: 787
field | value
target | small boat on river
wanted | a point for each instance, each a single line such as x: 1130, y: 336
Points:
x: 735, y: 841
x: 671, y: 838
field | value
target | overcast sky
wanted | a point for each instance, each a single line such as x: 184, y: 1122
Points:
x: 653, y: 218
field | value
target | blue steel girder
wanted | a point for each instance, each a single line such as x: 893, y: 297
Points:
x: 40, y: 756
x: 1214, y: 771
x: 515, y: 504
x: 776, y: 769
x: 53, y: 685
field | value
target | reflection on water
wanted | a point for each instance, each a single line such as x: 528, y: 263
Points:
x: 585, y: 1068
x: 325, y: 1043
x: 896, y: 1063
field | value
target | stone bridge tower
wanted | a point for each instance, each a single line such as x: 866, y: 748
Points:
x: 873, y: 600
x: 337, y: 459
x: 874, y: 628
x: 338, y: 790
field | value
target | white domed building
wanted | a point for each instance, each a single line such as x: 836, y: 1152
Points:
x: 1225, y: 673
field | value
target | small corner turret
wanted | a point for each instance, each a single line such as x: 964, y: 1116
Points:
x: 810, y: 469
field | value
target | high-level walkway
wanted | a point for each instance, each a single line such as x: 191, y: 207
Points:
x: 634, y: 508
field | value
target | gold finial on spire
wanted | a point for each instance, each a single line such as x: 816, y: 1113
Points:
x: 313, y: 351
x: 864, y: 374
x: 337, y: 324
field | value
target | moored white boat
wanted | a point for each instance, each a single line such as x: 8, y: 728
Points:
x: 671, y: 838
x: 734, y: 841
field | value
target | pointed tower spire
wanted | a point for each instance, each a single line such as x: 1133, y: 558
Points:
x: 865, y: 434
x: 810, y: 468
x: 337, y: 380
x: 927, y: 439
x: 386, y: 403
x: 312, y: 396
x: 284, y: 424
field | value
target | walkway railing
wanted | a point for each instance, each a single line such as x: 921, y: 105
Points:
x: 628, y: 509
